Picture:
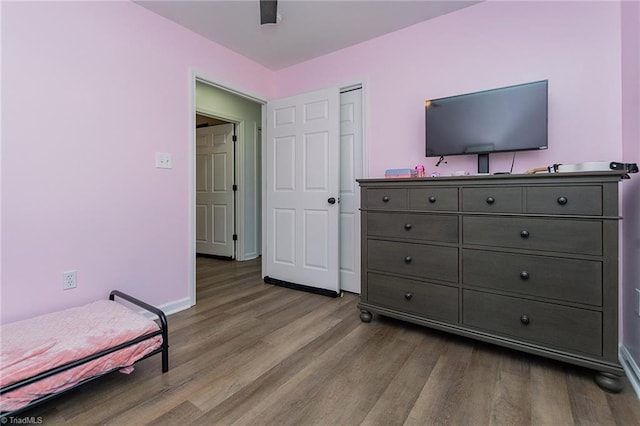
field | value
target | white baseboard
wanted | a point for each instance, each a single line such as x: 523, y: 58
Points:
x: 170, y: 308
x: 631, y: 368
x: 176, y: 306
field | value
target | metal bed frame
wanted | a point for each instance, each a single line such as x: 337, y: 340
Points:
x: 164, y: 350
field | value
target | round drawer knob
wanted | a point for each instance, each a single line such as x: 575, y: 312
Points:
x: 432, y: 199
x: 562, y: 201
x: 524, y: 275
x: 408, y: 296
x: 385, y: 199
x: 524, y: 234
x: 407, y: 226
x: 491, y: 200
x: 524, y: 319
x: 407, y: 259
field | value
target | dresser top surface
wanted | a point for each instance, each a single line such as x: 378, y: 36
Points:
x: 502, y: 179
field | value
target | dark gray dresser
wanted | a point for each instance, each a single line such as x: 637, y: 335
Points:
x: 529, y: 262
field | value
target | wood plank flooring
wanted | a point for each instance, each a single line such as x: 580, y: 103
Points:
x: 254, y: 354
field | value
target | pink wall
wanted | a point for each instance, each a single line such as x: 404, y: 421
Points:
x: 630, y: 14
x: 90, y: 91
x: 575, y: 45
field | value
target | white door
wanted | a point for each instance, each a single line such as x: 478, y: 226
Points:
x: 351, y: 168
x: 302, y: 152
x: 214, y: 190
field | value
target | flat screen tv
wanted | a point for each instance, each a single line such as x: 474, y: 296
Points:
x: 506, y: 119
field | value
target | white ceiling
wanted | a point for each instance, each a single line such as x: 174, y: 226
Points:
x: 309, y: 28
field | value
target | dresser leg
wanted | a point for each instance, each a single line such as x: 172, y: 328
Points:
x: 609, y: 382
x: 365, y: 316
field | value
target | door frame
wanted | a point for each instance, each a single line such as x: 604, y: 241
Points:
x: 197, y: 75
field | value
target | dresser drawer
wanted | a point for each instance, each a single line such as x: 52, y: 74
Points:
x: 433, y: 199
x: 572, y: 280
x: 490, y: 199
x: 425, y: 299
x: 578, y: 200
x: 383, y: 198
x: 417, y: 260
x: 439, y: 228
x: 543, y: 323
x: 556, y: 235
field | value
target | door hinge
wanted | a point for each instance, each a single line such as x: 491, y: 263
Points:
x: 234, y: 187
x: 234, y: 138
x: 235, y: 237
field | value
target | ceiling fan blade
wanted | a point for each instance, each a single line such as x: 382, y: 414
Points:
x: 268, y: 11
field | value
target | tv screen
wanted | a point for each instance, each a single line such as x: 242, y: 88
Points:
x: 510, y: 118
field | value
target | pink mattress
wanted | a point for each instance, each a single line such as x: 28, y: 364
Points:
x: 38, y: 344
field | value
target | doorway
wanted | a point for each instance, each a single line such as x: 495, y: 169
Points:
x: 246, y: 114
x: 224, y: 102
x: 245, y: 111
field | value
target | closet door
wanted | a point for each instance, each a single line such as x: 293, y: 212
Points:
x: 351, y: 168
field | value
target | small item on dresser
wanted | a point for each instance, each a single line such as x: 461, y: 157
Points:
x: 586, y: 167
x: 399, y: 173
x: 628, y: 167
x: 420, y: 171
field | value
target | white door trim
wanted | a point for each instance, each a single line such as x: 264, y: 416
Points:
x: 195, y: 75
x: 231, y: 88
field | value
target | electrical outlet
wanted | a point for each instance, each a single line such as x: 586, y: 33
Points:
x: 69, y: 280
x: 163, y: 160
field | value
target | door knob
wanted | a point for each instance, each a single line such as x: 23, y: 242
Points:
x: 331, y: 200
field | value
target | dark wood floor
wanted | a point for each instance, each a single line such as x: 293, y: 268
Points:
x: 254, y: 354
